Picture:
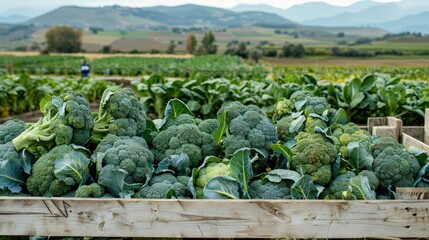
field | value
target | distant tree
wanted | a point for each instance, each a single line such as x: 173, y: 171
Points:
x: 191, y: 44
x: 255, y: 54
x: 341, y: 35
x: 106, y: 49
x: 63, y: 39
x: 363, y: 40
x: 207, y: 44
x: 171, y: 47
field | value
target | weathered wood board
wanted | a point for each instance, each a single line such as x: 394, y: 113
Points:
x: 412, y: 193
x: 409, y: 141
x: 213, y: 218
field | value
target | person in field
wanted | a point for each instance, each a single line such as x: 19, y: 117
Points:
x: 85, y: 69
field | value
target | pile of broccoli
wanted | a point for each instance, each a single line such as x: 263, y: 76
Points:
x: 307, y: 151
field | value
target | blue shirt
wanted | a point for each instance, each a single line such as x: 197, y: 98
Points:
x: 85, y: 69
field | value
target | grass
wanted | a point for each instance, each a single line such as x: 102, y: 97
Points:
x: 126, y: 34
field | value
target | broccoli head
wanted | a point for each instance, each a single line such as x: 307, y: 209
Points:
x: 396, y: 167
x: 283, y: 129
x: 299, y: 96
x: 130, y: 154
x: 313, y: 122
x: 315, y: 105
x: 67, y: 120
x: 338, y: 186
x: 160, y: 185
x: 269, y: 190
x: 11, y: 129
x: 209, y: 171
x: 94, y: 190
x: 208, y: 126
x: 42, y: 180
x: 120, y: 113
x: 250, y: 129
x: 182, y: 136
x: 283, y: 107
x: 349, y: 133
x: 313, y: 154
x: 235, y: 109
x: 380, y: 144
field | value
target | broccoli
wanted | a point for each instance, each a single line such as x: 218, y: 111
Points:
x: 130, y: 154
x: 182, y: 135
x: 282, y: 108
x: 283, y: 127
x: 209, y: 171
x: 299, y: 96
x: 42, y: 180
x: 340, y: 184
x: 11, y: 129
x: 396, y: 167
x: 269, y: 190
x: 349, y: 133
x: 93, y: 190
x: 372, y: 178
x: 250, y: 129
x: 380, y: 144
x: 120, y: 113
x: 208, y: 126
x: 313, y: 154
x: 315, y: 105
x: 159, y: 186
x: 67, y: 119
x: 312, y: 122
x: 235, y: 109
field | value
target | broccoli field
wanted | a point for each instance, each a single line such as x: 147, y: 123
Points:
x: 305, y: 149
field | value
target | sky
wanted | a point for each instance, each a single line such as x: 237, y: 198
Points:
x: 19, y: 4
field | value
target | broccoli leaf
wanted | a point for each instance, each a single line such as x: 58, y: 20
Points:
x: 220, y: 131
x: 195, y: 171
x: 423, y: 174
x: 72, y: 167
x: 359, y: 187
x: 178, y: 163
x: 11, y: 175
x: 297, y: 124
x: 27, y: 158
x: 114, y: 182
x: 241, y: 168
x: 222, y: 187
x: 277, y: 175
x: 340, y: 117
x: 360, y: 157
x: 45, y: 100
x: 280, y: 148
x: 174, y: 108
x: 304, y: 188
x: 421, y: 156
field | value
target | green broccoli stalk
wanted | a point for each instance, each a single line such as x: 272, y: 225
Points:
x: 120, y: 113
x: 67, y: 119
x: 11, y: 129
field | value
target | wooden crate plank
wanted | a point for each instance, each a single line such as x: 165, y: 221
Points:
x: 426, y: 132
x: 213, y: 218
x: 397, y: 124
x: 385, y: 131
x: 409, y: 141
x: 376, y: 121
x: 417, y: 132
x: 412, y: 193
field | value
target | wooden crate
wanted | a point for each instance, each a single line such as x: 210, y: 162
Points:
x: 214, y: 218
x: 406, y: 217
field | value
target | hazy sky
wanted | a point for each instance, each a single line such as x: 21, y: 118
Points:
x: 13, y: 4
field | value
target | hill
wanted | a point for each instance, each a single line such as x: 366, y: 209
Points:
x: 117, y: 17
x: 412, y: 23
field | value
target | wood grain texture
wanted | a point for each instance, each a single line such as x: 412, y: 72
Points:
x: 417, y: 132
x: 385, y: 131
x: 412, y: 193
x: 376, y: 121
x: 213, y: 218
x: 409, y: 141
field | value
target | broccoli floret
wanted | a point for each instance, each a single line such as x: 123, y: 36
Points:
x: 159, y: 186
x: 42, y: 180
x: 269, y: 190
x: 372, y: 178
x: 313, y: 154
x: 235, y: 109
x: 179, y: 120
x: 11, y: 129
x: 184, y: 138
x: 120, y: 113
x: 299, y: 96
x: 208, y: 126
x: 312, y: 122
x: 209, y: 171
x: 130, y: 154
x: 282, y: 129
x: 349, y: 133
x: 315, y: 105
x: 250, y: 129
x: 282, y: 108
x: 382, y: 143
x: 67, y: 119
x: 341, y: 183
x: 396, y: 167
x: 93, y: 190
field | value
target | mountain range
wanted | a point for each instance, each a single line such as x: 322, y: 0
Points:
x: 190, y: 15
x: 405, y: 15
